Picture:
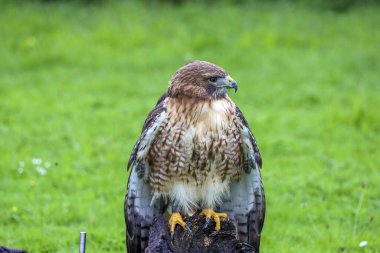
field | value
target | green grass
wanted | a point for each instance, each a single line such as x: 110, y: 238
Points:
x: 76, y: 83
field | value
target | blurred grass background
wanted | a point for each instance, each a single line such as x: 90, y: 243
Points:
x: 77, y: 81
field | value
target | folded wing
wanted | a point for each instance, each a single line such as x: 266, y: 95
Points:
x: 138, y: 209
x: 246, y: 202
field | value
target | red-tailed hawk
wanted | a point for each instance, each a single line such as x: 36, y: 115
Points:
x: 195, y: 152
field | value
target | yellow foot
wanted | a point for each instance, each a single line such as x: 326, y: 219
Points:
x: 209, y: 213
x: 175, y: 219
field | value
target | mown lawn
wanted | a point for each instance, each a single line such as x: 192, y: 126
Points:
x: 77, y: 81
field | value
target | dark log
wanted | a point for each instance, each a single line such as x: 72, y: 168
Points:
x: 10, y: 250
x: 200, y: 240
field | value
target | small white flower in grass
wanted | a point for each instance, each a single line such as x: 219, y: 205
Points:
x: 363, y: 244
x: 20, y: 170
x: 47, y: 165
x: 36, y: 161
x: 41, y: 171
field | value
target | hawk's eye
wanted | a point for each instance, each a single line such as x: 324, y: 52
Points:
x: 213, y: 79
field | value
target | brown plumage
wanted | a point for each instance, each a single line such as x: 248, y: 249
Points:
x: 193, y: 80
x: 192, y: 141
x: 196, y: 144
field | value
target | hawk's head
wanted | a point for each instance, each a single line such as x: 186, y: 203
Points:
x: 201, y: 79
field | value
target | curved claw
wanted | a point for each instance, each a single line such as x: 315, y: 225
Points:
x: 188, y: 229
x: 175, y: 219
x: 208, y: 220
x: 216, y: 216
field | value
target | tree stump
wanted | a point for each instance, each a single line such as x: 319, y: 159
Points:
x: 200, y: 240
x: 4, y: 249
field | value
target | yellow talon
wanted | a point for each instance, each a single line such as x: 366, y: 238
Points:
x: 209, y: 213
x: 175, y: 219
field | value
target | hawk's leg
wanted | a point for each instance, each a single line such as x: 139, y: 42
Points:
x: 209, y: 213
x: 175, y: 219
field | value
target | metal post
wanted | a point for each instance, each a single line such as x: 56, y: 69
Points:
x: 82, y: 242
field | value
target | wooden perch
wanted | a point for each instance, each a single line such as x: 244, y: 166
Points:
x: 200, y: 240
x: 10, y: 250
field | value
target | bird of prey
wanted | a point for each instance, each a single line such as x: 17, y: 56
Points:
x: 196, y: 152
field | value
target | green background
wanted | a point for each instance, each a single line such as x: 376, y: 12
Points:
x: 77, y: 81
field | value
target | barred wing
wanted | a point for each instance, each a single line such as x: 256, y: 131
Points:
x: 246, y: 202
x: 150, y: 127
x: 138, y: 211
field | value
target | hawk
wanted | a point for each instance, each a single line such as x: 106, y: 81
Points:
x: 196, y: 152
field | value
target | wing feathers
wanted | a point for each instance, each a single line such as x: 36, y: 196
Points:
x: 137, y: 206
x: 147, y: 129
x: 246, y: 206
x: 246, y: 203
x: 252, y: 140
x: 139, y: 213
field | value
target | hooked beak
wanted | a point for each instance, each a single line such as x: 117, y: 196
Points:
x: 226, y: 82
x: 232, y: 84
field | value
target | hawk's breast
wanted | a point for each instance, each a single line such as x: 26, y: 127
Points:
x: 196, y: 151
